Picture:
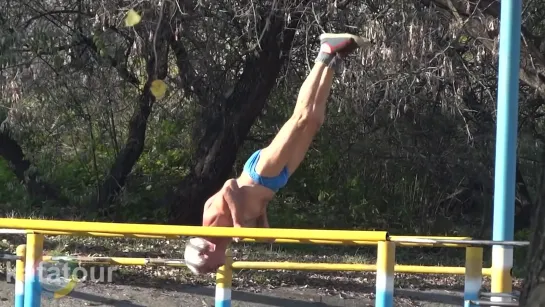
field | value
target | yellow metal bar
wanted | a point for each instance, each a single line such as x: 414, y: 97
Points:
x: 501, y: 280
x: 256, y: 265
x: 20, y: 276
x: 422, y: 269
x: 281, y: 241
x: 118, y: 261
x: 33, y: 262
x: 384, y: 283
x: 150, y: 229
x: 224, y: 276
x: 19, y: 264
x: 430, y: 269
x: 224, y: 281
x: 473, y: 276
x: 320, y: 242
x: 104, y: 234
x: 399, y: 268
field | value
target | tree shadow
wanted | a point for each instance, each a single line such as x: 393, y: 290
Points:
x: 323, y: 288
x: 97, y: 299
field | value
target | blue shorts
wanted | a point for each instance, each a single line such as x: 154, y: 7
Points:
x: 273, y: 183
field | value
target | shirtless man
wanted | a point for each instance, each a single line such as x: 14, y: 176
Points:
x: 242, y: 202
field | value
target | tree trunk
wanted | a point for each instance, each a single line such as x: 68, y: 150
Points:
x: 226, y: 128
x: 12, y: 152
x: 533, y: 292
x: 157, y: 68
x: 129, y: 154
x: 524, y: 206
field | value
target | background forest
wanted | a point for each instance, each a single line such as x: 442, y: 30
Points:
x: 408, y: 143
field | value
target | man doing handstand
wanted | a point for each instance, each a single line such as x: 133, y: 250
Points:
x: 242, y: 202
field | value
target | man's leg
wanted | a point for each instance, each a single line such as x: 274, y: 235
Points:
x: 291, y: 144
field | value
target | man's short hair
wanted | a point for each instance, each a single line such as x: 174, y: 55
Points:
x: 193, y: 254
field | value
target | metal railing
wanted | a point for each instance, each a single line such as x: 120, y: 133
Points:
x: 29, y: 257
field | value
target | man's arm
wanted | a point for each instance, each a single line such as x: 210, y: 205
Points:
x: 263, y: 221
x: 234, y: 202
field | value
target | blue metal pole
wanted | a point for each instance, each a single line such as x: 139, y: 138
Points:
x: 506, y: 145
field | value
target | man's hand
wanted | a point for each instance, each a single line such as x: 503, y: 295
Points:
x: 262, y: 221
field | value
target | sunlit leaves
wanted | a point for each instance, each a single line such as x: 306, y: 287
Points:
x: 132, y: 18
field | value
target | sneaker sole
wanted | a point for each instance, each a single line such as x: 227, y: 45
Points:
x: 359, y: 40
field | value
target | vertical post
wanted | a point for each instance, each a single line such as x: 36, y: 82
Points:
x: 385, y: 274
x: 224, y: 280
x: 506, y: 145
x: 474, y: 275
x: 33, y: 262
x: 20, y: 276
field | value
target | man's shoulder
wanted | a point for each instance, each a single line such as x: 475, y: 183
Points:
x: 213, y: 201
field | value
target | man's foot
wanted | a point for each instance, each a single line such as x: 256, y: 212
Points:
x: 341, y: 44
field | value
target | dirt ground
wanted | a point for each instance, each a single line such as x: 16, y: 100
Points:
x: 170, y: 295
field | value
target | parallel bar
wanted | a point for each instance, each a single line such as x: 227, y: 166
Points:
x: 20, y: 276
x: 421, y: 269
x: 12, y: 231
x: 508, y: 295
x: 385, y: 274
x: 226, y: 232
x: 282, y: 241
x: 347, y: 242
x: 117, y: 260
x: 33, y: 288
x: 224, y: 281
x: 255, y: 265
x: 506, y: 145
x: 430, y: 237
x: 464, y: 243
x: 489, y: 303
x: 258, y: 265
x: 104, y: 234
x: 9, y: 257
x: 473, y: 276
x: 349, y: 267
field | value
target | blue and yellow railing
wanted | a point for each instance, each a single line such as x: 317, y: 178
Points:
x: 30, y: 256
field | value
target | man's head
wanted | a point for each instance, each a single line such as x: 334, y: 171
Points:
x: 202, y: 256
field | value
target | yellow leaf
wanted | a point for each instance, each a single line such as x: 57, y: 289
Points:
x: 132, y: 18
x: 158, y: 88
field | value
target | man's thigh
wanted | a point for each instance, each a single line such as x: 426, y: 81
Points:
x: 287, y: 149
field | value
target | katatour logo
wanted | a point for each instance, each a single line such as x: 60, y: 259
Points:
x: 54, y: 283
